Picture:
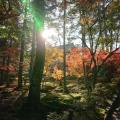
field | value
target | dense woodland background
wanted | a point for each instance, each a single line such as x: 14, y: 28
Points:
x: 71, y: 72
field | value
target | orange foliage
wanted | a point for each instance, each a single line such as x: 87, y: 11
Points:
x: 74, y: 62
x: 79, y: 60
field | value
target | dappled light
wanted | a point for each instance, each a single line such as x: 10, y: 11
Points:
x: 59, y: 60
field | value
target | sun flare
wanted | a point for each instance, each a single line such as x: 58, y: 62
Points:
x: 48, y: 33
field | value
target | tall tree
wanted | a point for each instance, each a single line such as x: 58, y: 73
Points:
x: 8, y: 62
x: 64, y: 55
x: 35, y: 82
x: 32, y: 53
x: 20, y: 72
x: 94, y: 27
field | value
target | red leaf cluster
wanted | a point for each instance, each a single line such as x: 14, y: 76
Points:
x: 80, y: 58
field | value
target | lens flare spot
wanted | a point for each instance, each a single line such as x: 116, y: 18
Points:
x: 48, y: 33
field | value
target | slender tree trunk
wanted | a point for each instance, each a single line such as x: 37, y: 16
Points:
x: 2, y: 71
x: 35, y: 82
x: 3, y: 60
x: 104, y: 24
x: 20, y: 72
x: 95, y: 75
x: 115, y: 104
x: 8, y: 63
x: 64, y: 54
x: 82, y: 14
x: 32, y: 53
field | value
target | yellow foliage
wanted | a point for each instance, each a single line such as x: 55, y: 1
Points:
x: 53, y: 54
x: 58, y: 75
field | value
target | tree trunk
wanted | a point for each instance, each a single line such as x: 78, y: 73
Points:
x: 8, y: 63
x: 2, y: 71
x: 32, y: 54
x: 3, y: 45
x: 20, y: 72
x: 35, y: 82
x: 64, y: 54
x: 82, y: 14
x: 115, y: 104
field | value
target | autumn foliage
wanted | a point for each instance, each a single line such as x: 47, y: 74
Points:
x: 53, y: 62
x: 12, y: 53
x: 79, y: 60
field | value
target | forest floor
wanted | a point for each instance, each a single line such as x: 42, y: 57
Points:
x: 12, y: 101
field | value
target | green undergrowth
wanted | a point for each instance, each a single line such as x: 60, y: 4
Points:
x: 86, y: 106
x: 59, y: 102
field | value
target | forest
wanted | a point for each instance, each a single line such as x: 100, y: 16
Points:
x: 59, y: 60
